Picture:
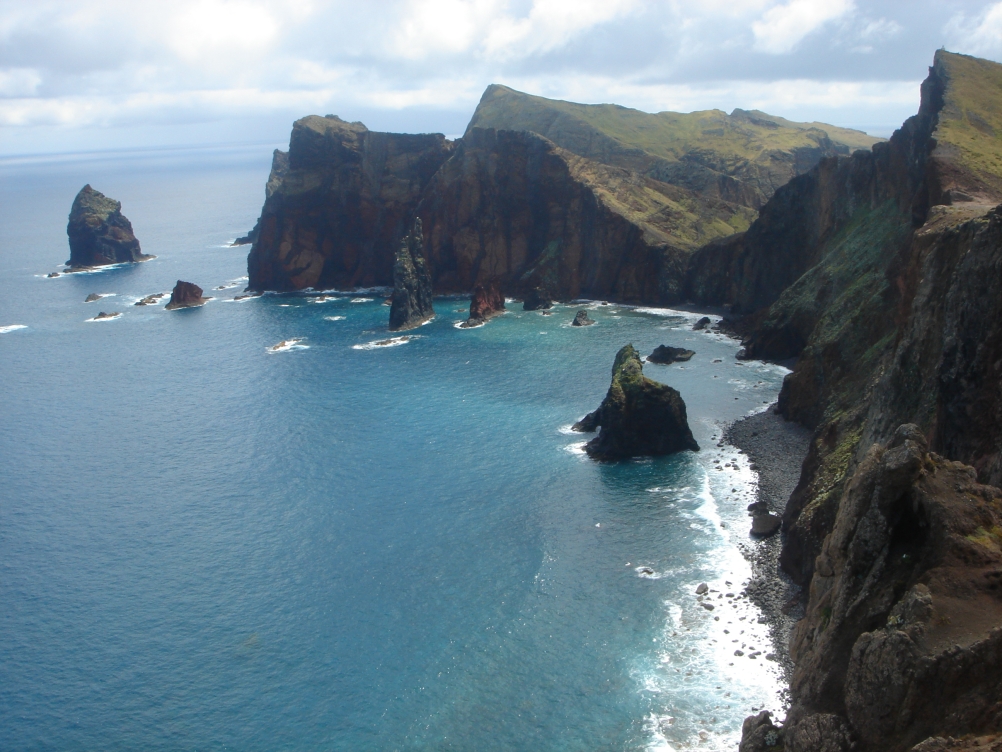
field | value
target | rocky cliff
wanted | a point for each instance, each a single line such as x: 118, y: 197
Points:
x: 411, y: 303
x: 99, y: 233
x: 882, y: 273
x: 607, y: 202
x: 638, y: 416
x: 338, y: 204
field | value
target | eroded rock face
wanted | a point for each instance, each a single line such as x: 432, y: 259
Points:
x: 638, y: 416
x: 901, y: 639
x: 537, y: 300
x: 411, y: 303
x: 185, y: 295
x: 486, y: 303
x: 99, y: 233
x: 338, y: 203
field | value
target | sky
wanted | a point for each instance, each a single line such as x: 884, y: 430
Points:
x: 81, y: 75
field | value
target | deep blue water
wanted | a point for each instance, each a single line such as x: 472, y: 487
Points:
x: 207, y: 545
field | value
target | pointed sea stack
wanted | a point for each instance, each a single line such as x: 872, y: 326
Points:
x: 487, y: 303
x: 99, y: 233
x: 411, y: 302
x: 185, y: 295
x: 638, y: 416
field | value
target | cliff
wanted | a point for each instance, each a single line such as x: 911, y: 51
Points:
x: 880, y: 273
x: 337, y: 205
x: 602, y: 202
x: 411, y: 303
x: 99, y: 233
x: 638, y: 416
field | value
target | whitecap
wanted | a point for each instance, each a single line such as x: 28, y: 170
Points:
x: 12, y: 328
x: 577, y: 447
x: 362, y: 300
x: 568, y: 430
x: 379, y: 343
x: 334, y: 318
x: 286, y: 345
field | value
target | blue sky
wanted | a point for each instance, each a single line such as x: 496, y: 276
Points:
x: 105, y: 74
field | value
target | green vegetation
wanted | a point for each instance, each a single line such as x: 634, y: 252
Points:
x: 969, y: 131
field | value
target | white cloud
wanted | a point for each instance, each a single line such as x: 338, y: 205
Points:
x: 783, y: 27
x: 977, y: 35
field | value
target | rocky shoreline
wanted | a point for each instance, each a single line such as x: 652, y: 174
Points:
x: 775, y: 448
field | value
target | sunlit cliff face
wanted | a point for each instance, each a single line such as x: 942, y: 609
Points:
x: 103, y: 72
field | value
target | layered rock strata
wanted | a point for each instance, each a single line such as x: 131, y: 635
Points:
x: 99, y: 233
x: 411, y: 304
x: 638, y: 416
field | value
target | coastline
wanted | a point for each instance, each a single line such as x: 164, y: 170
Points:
x: 776, y: 449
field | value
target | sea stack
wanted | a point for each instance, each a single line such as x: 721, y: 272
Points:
x: 411, y: 302
x: 99, y: 233
x: 537, y: 300
x: 638, y: 416
x: 185, y: 295
x: 487, y: 303
x: 581, y: 318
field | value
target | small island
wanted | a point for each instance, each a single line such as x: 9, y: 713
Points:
x: 186, y: 295
x: 410, y: 304
x: 665, y: 355
x: 487, y: 302
x: 99, y: 233
x: 638, y: 416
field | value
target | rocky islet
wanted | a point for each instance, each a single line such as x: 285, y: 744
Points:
x: 99, y: 234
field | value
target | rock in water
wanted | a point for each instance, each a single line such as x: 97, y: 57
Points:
x: 92, y: 297
x: 581, y: 319
x: 410, y: 305
x: 701, y: 324
x: 487, y: 303
x: 537, y: 300
x: 665, y: 355
x: 638, y: 416
x: 185, y: 295
x: 99, y: 234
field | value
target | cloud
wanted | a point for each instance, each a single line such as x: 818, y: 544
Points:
x: 103, y: 64
x: 783, y: 27
x: 980, y: 34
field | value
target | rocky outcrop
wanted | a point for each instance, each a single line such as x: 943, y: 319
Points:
x: 99, y: 233
x: 411, y: 303
x: 185, y: 295
x: 581, y: 318
x: 486, y: 303
x: 338, y: 203
x: 638, y: 416
x: 666, y: 355
x: 537, y: 300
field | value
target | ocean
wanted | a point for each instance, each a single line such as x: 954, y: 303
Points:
x: 207, y: 544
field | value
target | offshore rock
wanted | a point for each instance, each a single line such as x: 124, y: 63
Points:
x: 666, y: 355
x: 581, y: 318
x: 99, y: 233
x: 638, y: 416
x: 536, y: 300
x: 185, y: 295
x: 487, y: 302
x: 701, y: 324
x: 411, y: 304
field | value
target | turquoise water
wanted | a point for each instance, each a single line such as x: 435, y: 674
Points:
x: 206, y: 544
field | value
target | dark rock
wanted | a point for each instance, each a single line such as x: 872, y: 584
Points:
x: 247, y: 239
x: 581, y: 319
x: 108, y: 315
x: 150, y: 299
x: 92, y: 297
x: 486, y: 303
x: 765, y: 524
x: 638, y: 416
x: 99, y: 233
x: 701, y: 324
x: 758, y: 507
x: 666, y: 355
x: 536, y: 300
x: 52, y: 274
x: 411, y: 303
x: 702, y: 588
x: 185, y: 295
